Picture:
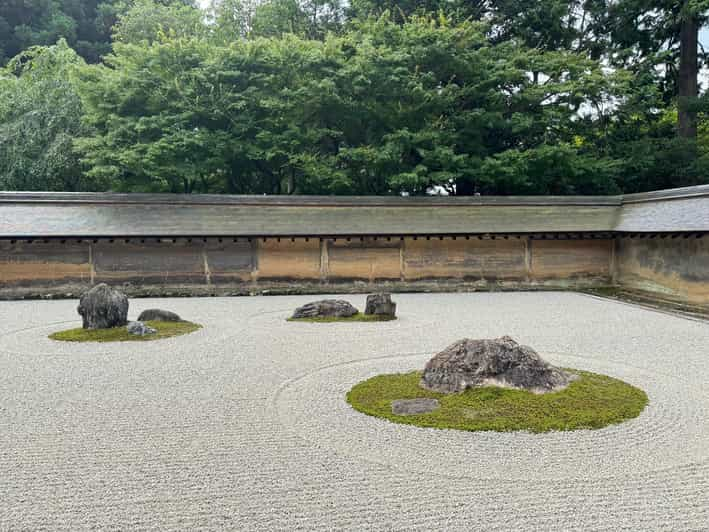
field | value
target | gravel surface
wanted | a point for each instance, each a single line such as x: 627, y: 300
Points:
x: 243, y: 425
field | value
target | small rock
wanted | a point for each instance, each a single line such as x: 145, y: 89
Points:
x: 103, y: 307
x: 380, y: 305
x: 500, y: 362
x: 326, y: 308
x: 156, y: 314
x: 139, y: 328
x: 409, y: 407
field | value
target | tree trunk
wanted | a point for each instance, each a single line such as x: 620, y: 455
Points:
x: 291, y: 182
x: 688, y: 68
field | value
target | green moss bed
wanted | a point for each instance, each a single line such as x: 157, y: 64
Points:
x: 165, y: 329
x: 591, y: 402
x: 357, y: 317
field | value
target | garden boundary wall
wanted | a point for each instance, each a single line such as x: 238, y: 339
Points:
x: 60, y: 244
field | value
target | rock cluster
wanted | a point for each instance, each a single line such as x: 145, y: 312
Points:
x: 157, y: 314
x: 377, y: 304
x: 326, y: 308
x: 499, y: 362
x: 380, y: 305
x: 103, y: 307
x: 138, y: 328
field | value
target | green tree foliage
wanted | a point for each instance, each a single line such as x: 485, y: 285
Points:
x: 85, y: 24
x: 382, y: 109
x: 355, y: 97
x: 235, y: 19
x: 146, y: 20
x: 40, y: 115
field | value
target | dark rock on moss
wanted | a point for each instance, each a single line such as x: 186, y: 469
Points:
x: 408, y: 407
x: 103, y: 307
x: 500, y: 362
x: 380, y: 305
x: 326, y: 308
x: 156, y: 314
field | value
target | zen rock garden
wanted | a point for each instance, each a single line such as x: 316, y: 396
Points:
x: 104, y: 314
x: 235, y: 416
x: 379, y: 307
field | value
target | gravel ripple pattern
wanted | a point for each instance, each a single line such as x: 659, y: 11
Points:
x: 243, y: 425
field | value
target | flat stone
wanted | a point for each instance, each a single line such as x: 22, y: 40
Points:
x: 500, y: 362
x: 157, y: 314
x: 103, y: 307
x: 410, y: 407
x: 326, y: 308
x: 138, y: 328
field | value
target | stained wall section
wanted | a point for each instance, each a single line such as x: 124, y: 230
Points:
x: 671, y: 266
x: 675, y: 267
x: 222, y: 266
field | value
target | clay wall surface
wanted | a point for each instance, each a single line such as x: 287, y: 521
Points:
x: 203, y: 266
x: 675, y: 267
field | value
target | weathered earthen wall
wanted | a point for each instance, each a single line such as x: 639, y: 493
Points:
x: 468, y: 259
x: 237, y: 266
x: 674, y: 268
x: 49, y: 264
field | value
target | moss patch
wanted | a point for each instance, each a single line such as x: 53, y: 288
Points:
x: 165, y: 329
x: 357, y: 317
x: 591, y: 402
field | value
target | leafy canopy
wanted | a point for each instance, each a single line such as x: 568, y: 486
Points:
x: 358, y: 97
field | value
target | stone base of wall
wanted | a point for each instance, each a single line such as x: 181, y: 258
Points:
x: 650, y: 300
x: 74, y: 290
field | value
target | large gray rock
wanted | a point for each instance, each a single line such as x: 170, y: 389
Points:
x: 500, y: 362
x: 157, y: 314
x: 138, y: 328
x: 103, y: 307
x: 326, y: 308
x: 380, y: 305
x: 410, y: 407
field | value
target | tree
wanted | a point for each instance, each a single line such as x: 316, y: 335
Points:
x: 647, y: 34
x: 86, y: 25
x: 272, y: 18
x: 146, y: 20
x: 384, y: 108
x: 400, y: 10
x: 687, y: 86
x: 232, y: 19
x: 291, y: 96
x: 40, y: 115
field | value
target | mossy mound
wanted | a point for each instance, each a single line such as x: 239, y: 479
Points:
x: 591, y: 402
x: 165, y: 329
x: 357, y: 317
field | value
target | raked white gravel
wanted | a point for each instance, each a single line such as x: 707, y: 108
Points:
x: 243, y: 425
